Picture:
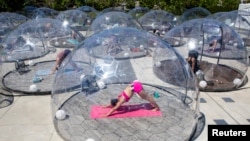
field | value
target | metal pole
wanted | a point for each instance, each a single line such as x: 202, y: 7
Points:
x: 203, y: 41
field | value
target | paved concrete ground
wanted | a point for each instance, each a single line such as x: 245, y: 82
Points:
x: 29, y: 118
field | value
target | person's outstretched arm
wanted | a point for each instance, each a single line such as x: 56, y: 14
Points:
x: 119, y: 103
x: 56, y: 65
x: 55, y: 68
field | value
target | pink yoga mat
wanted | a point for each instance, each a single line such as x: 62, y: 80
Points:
x: 125, y: 111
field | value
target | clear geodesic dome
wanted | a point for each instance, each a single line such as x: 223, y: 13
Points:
x: 110, y: 9
x: 220, y: 51
x: 228, y: 18
x: 137, y: 55
x: 27, y: 54
x: 35, y: 38
x: 242, y: 25
x: 9, y: 21
x: 137, y: 12
x: 43, y: 12
x: 215, y: 15
x: 112, y: 20
x: 159, y: 21
x: 194, y: 13
x: 6, y: 27
x: 76, y: 19
x: 91, y: 11
x: 14, y: 18
x: 19, y: 46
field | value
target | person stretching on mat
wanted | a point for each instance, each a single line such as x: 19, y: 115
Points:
x: 59, y: 59
x: 135, y: 87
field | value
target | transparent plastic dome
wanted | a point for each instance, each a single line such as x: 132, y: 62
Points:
x: 112, y: 20
x: 158, y: 21
x: 9, y: 21
x: 195, y: 13
x: 137, y: 12
x: 220, y: 51
x: 110, y: 9
x: 14, y: 18
x: 35, y: 38
x: 43, y: 12
x: 137, y: 55
x: 6, y: 27
x: 28, y: 54
x: 91, y: 11
x: 215, y: 15
x: 76, y: 19
x: 17, y: 46
x: 242, y: 25
x: 228, y: 18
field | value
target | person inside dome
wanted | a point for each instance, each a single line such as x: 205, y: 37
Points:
x: 192, y: 60
x: 135, y: 87
x: 59, y: 59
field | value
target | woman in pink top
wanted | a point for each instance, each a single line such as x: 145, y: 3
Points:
x: 135, y: 87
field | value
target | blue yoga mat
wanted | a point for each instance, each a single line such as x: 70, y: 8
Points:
x: 37, y: 79
x: 43, y: 72
x: 72, y: 41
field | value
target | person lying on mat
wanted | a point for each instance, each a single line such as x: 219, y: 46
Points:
x: 59, y: 59
x: 135, y: 87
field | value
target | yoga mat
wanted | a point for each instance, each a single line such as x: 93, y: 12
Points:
x: 72, y: 41
x: 125, y: 111
x: 71, y: 70
x: 43, y: 72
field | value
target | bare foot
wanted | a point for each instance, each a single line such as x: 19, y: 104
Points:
x: 155, y: 109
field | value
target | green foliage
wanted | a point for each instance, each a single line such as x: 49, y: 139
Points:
x: 11, y: 5
x: 176, y: 7
x: 173, y: 6
x: 63, y: 4
x: 3, y: 5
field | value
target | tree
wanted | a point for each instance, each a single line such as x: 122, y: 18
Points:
x: 174, y: 6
